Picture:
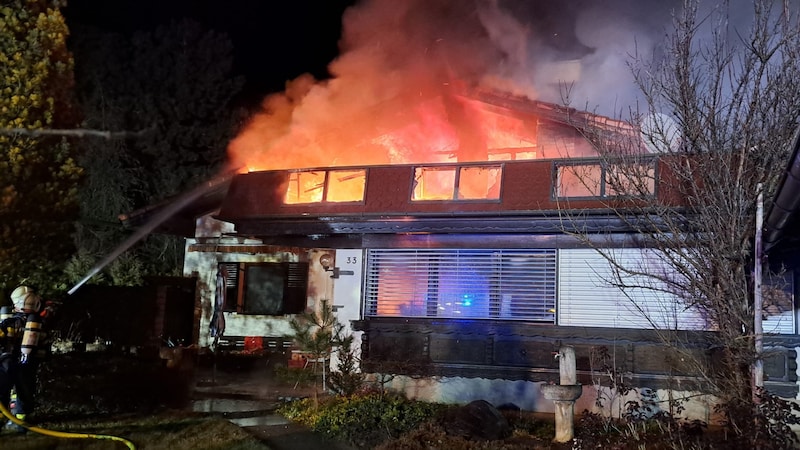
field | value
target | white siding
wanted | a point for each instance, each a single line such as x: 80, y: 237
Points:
x: 780, y: 314
x: 347, y: 296
x: 779, y: 324
x: 347, y: 288
x: 588, y: 297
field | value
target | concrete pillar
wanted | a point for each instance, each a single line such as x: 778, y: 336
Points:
x: 565, y: 410
x: 567, y: 367
x: 564, y: 394
x: 564, y: 415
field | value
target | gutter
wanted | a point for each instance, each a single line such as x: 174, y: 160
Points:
x: 786, y: 204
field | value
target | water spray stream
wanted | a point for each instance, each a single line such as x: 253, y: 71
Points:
x: 168, y: 211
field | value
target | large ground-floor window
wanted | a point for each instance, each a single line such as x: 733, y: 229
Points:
x: 462, y: 283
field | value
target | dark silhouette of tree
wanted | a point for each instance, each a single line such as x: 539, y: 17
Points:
x: 173, y: 86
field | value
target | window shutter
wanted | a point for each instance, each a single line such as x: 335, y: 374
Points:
x: 294, y: 298
x: 591, y: 297
x: 231, y: 286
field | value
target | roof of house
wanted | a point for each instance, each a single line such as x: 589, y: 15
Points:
x: 781, y: 232
x: 178, y: 215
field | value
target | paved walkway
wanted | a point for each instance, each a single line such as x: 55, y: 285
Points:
x: 249, y: 398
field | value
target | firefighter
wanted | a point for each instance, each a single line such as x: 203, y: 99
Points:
x: 19, y: 338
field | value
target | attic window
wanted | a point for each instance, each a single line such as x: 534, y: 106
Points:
x: 605, y: 179
x: 579, y: 180
x: 331, y: 186
x: 468, y: 182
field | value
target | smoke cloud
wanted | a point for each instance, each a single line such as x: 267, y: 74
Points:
x: 401, y: 62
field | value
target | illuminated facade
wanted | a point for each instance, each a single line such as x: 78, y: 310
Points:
x: 463, y: 277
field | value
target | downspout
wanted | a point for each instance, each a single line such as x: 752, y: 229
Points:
x: 758, y: 328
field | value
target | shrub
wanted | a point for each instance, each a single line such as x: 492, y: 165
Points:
x: 302, y: 411
x: 362, y: 420
x: 346, y: 380
x: 295, y: 375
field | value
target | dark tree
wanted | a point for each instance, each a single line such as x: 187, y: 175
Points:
x: 171, y: 89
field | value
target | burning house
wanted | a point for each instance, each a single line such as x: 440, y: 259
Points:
x: 461, y: 232
x: 462, y: 278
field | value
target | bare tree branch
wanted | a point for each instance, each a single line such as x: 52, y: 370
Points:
x: 75, y: 132
x: 733, y: 99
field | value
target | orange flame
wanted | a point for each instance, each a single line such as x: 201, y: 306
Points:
x: 395, y: 91
x: 393, y: 96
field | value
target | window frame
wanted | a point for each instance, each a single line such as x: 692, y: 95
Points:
x: 325, y: 186
x: 500, y: 284
x: 456, y: 193
x: 606, y: 167
x: 293, y: 291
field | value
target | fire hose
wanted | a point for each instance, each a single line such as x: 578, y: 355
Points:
x: 62, y: 434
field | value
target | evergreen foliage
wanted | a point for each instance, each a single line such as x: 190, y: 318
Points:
x: 314, y: 332
x: 39, y: 175
x: 320, y: 334
x: 347, y: 379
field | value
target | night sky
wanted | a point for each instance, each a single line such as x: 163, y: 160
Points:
x: 277, y: 41
x: 274, y: 41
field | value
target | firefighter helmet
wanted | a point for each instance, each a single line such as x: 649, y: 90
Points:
x: 25, y: 299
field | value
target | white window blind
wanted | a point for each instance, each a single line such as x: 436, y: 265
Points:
x: 590, y: 295
x: 461, y: 283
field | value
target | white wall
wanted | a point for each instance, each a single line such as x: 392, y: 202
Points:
x: 347, y: 288
x: 527, y: 396
x: 204, y: 264
x: 347, y: 294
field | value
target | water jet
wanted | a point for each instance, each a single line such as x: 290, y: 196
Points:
x: 162, y: 215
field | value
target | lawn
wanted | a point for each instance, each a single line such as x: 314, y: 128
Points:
x: 167, y: 430
x: 135, y: 398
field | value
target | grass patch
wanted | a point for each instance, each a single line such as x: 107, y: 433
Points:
x: 165, y: 430
x: 131, y: 397
x: 392, y: 422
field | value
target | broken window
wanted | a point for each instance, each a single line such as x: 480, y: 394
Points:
x: 346, y: 185
x: 335, y: 186
x: 467, y: 182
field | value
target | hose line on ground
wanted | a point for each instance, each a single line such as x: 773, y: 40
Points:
x: 62, y: 434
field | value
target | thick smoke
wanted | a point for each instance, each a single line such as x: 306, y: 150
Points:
x: 401, y: 62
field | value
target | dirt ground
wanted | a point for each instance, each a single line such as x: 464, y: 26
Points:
x: 130, y: 394
x: 85, y: 394
x: 98, y: 387
x: 106, y: 383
